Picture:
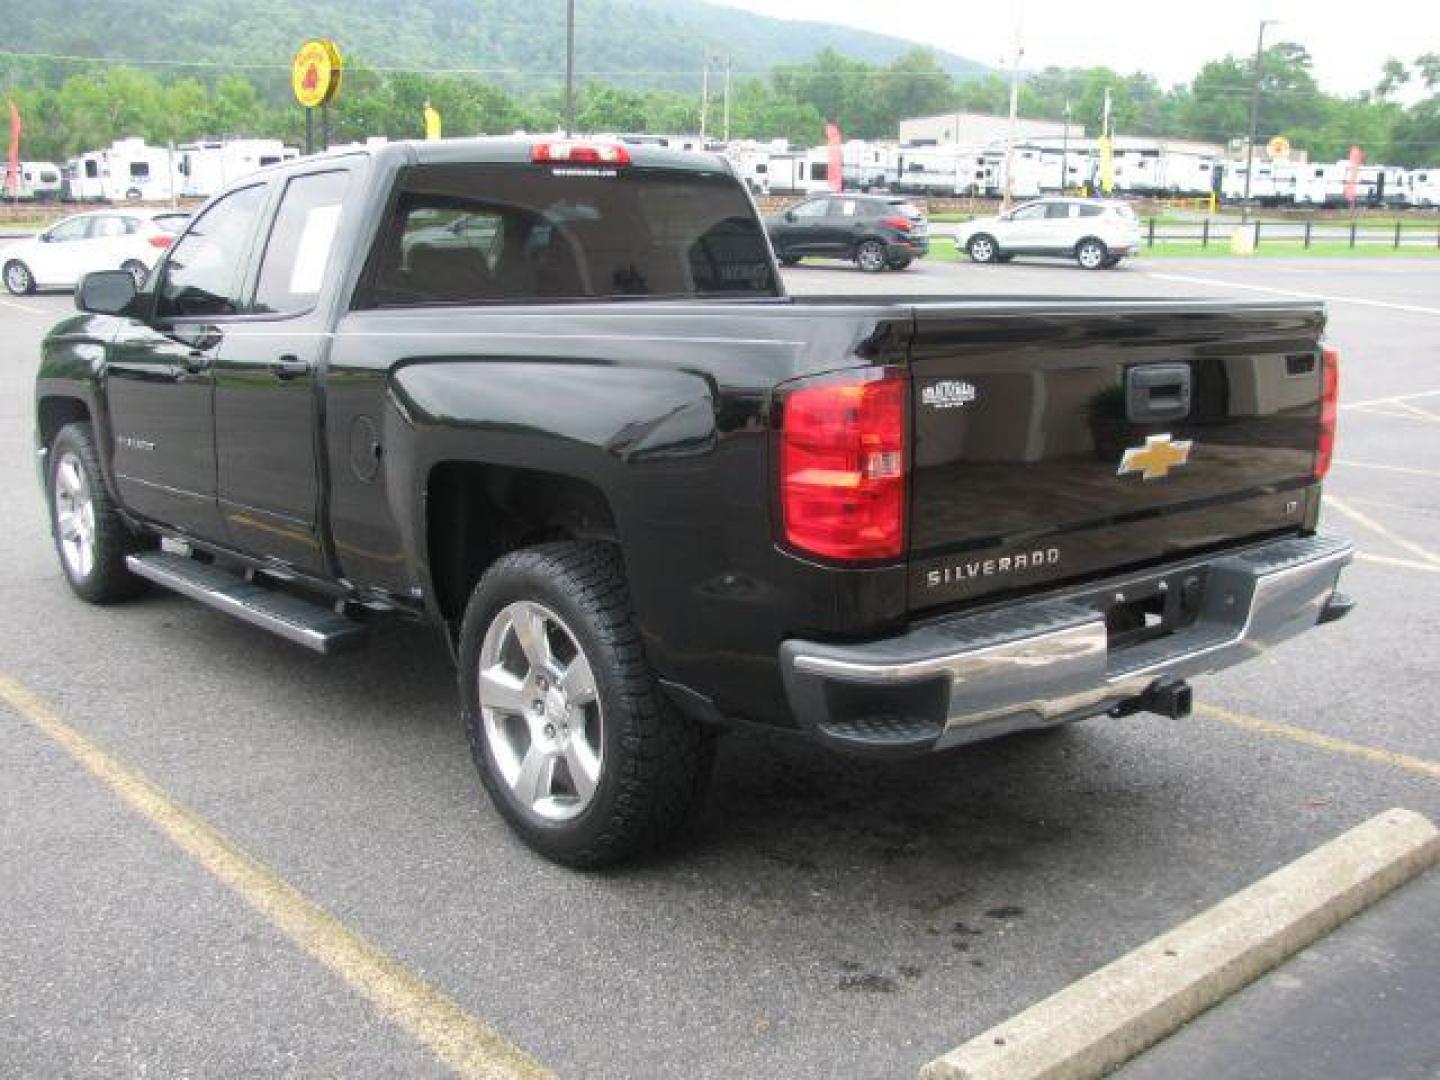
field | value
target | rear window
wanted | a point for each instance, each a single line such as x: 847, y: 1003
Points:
x: 514, y: 233
x: 171, y: 223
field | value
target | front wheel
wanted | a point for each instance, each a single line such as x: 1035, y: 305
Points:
x: 576, y: 744
x: 18, y: 278
x: 870, y: 256
x: 91, y: 538
x: 982, y: 249
x: 900, y: 264
x: 1091, y: 254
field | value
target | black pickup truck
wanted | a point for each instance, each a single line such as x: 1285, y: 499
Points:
x: 552, y: 398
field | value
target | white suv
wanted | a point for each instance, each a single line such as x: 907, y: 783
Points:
x: 1096, y: 233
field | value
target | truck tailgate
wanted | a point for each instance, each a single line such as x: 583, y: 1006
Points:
x: 1060, y: 439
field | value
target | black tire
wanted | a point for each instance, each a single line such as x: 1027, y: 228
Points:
x: 1113, y: 261
x: 870, y: 256
x: 900, y: 264
x: 1091, y: 254
x: 137, y: 270
x: 983, y: 248
x: 789, y: 260
x: 654, y: 762
x: 103, y: 578
x: 18, y: 278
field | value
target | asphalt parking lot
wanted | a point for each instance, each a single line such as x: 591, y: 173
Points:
x: 830, y: 917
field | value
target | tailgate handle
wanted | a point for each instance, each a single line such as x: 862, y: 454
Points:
x: 1157, y: 392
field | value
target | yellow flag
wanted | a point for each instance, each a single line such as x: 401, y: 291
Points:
x: 1107, y: 164
x: 432, y: 122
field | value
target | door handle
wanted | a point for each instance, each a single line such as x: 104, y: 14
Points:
x: 289, y: 367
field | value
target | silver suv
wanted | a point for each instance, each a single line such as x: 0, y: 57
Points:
x: 1096, y: 233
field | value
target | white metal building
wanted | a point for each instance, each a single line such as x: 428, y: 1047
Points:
x: 981, y: 129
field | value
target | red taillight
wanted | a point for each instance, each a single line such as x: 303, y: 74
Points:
x: 900, y: 224
x: 842, y: 465
x: 1329, y: 409
x: 161, y: 241
x: 576, y: 153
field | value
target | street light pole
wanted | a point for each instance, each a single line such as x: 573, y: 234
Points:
x: 1254, y: 117
x: 1065, y: 150
x: 569, y: 68
x: 1009, y: 186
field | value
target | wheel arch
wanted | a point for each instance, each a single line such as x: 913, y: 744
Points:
x: 475, y: 512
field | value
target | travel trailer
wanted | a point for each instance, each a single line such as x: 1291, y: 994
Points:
x: 206, y: 167
x: 36, y: 180
x: 941, y: 170
x: 128, y: 170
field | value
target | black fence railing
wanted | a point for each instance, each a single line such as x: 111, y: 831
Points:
x: 1305, y: 234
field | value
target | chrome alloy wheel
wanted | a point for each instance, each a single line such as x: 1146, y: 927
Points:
x: 982, y: 250
x: 871, y: 257
x: 1090, y: 255
x: 17, y: 278
x: 75, y: 516
x: 541, y: 712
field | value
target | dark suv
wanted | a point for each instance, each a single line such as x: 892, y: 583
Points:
x: 874, y: 231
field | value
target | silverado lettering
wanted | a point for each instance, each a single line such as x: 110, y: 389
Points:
x: 1005, y: 564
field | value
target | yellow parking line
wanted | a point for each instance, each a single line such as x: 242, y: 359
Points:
x: 1403, y: 564
x: 1306, y: 737
x: 466, y: 1044
x: 1402, y: 469
x: 1381, y: 530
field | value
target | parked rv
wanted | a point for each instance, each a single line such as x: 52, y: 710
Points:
x: 206, y: 167
x: 128, y: 170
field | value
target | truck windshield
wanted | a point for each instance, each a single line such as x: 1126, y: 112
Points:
x: 469, y: 234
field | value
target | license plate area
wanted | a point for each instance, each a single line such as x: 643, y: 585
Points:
x: 1151, y: 609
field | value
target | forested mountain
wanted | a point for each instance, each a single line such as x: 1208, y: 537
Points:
x: 634, y: 44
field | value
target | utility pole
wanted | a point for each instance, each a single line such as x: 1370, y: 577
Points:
x: 569, y: 68
x: 1254, y: 117
x: 1065, y: 151
x: 728, y: 60
x: 704, y: 92
x: 1014, y: 110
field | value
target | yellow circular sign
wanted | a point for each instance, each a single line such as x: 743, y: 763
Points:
x: 315, y: 75
x: 1278, y: 148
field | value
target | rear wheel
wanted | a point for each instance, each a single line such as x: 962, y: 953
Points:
x: 91, y: 538
x: 18, y: 278
x: 579, y: 749
x: 870, y: 256
x: 1091, y: 254
x: 900, y: 264
x: 983, y: 249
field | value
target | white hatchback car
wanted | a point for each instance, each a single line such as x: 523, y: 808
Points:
x: 1096, y: 233
x: 59, y: 257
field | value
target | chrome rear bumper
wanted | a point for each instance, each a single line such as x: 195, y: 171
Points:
x: 1044, y: 661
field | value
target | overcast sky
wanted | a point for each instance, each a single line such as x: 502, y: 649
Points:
x: 1169, y: 39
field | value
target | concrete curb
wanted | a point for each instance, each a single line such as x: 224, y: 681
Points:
x: 1111, y: 1015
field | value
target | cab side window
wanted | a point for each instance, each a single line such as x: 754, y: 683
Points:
x: 202, y: 276
x: 298, y: 252
x: 1029, y: 213
x: 1059, y: 210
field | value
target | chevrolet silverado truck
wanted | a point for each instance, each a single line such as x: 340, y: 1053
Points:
x: 551, y: 397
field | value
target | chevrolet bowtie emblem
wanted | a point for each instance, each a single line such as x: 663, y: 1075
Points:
x: 1156, y: 458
